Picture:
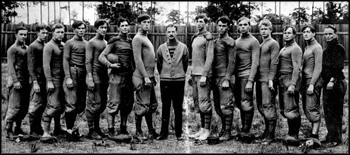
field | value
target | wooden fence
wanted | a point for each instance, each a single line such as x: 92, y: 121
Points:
x: 157, y: 34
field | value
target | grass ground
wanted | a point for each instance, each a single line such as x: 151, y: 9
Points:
x: 171, y: 145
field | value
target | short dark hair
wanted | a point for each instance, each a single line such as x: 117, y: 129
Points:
x: 224, y: 19
x: 171, y: 25
x: 20, y: 28
x: 57, y: 26
x: 200, y: 16
x: 122, y: 20
x: 143, y: 17
x: 77, y: 23
x: 332, y: 27
x: 312, y: 29
x: 243, y: 18
x: 290, y: 26
x: 100, y: 22
x: 41, y: 27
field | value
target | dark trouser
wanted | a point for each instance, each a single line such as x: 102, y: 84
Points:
x: 96, y: 100
x: 289, y: 104
x: 244, y: 103
x: 37, y: 105
x: 333, y: 101
x: 18, y: 104
x: 76, y: 96
x: 121, y: 98
x: 201, y: 99
x: 172, y: 92
x: 311, y: 102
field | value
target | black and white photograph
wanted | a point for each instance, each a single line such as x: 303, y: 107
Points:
x: 175, y: 77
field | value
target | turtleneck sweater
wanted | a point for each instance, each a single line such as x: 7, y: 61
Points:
x: 224, y: 57
x: 74, y: 54
x: 94, y: 47
x: 35, y: 60
x: 248, y: 51
x: 290, y: 60
x: 312, y: 61
x: 269, y: 50
x: 17, y: 62
x: 52, y: 61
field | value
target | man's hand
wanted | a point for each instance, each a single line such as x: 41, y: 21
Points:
x: 271, y: 85
x: 225, y: 84
x: 291, y: 89
x: 249, y: 87
x: 310, y: 90
x: 36, y: 87
x: 69, y: 83
x: 330, y: 85
x: 50, y: 86
x: 202, y: 81
x: 17, y: 85
x: 148, y: 82
x: 90, y: 84
x: 115, y: 65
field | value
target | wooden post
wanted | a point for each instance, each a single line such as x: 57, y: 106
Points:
x: 54, y: 7
x: 69, y: 11
x: 41, y: 12
x: 312, y: 11
x: 83, y: 10
x: 48, y: 12
x: 299, y: 13
x: 28, y: 12
x: 59, y: 6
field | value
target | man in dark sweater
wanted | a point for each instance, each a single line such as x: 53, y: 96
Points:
x: 248, y: 50
x: 266, y: 81
x: 74, y: 68
x: 17, y: 83
x: 311, y: 80
x: 223, y: 78
x: 37, y: 80
x: 202, y: 59
x: 53, y: 70
x: 143, y: 78
x: 172, y: 62
x: 289, y: 78
x: 97, y: 77
x: 334, y: 86
x: 118, y: 56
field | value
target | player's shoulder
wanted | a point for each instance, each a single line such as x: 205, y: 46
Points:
x: 208, y: 36
x: 113, y: 39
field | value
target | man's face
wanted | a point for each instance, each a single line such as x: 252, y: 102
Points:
x: 243, y: 26
x: 265, y: 31
x: 124, y: 27
x: 222, y: 28
x: 200, y: 23
x: 58, y: 34
x: 288, y: 34
x: 42, y: 35
x: 102, y: 29
x: 307, y: 34
x: 329, y: 34
x: 80, y: 30
x: 145, y: 24
x: 171, y: 33
x: 22, y: 35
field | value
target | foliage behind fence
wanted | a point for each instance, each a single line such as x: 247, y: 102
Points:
x: 157, y: 34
